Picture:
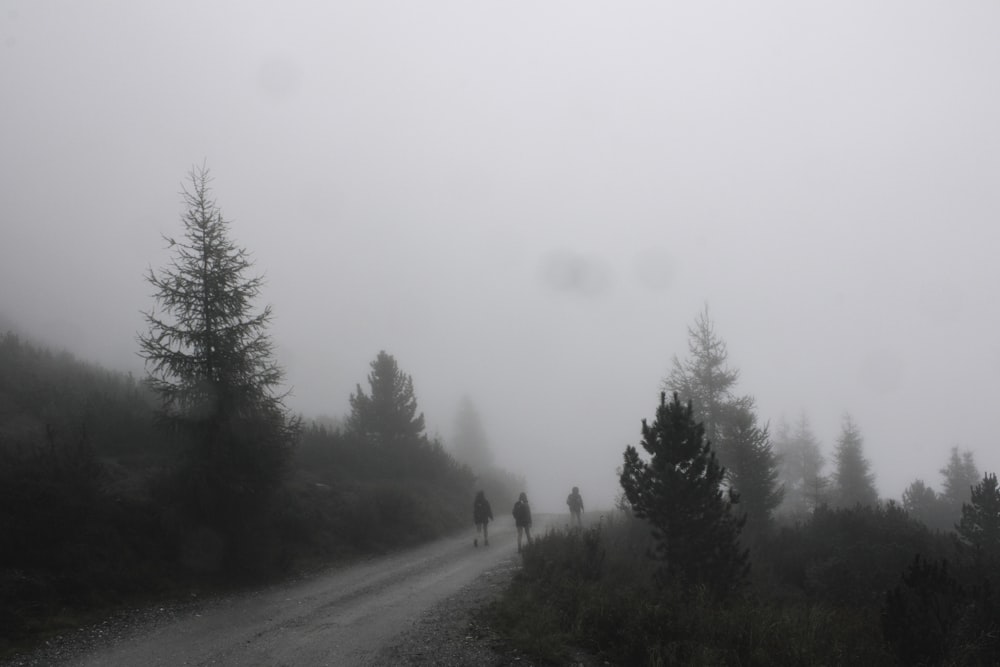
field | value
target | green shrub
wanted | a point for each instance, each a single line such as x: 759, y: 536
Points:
x: 847, y: 557
x: 931, y: 619
x: 595, y: 590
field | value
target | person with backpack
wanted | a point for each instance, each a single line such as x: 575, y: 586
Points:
x: 482, y: 514
x: 575, y: 502
x: 522, y: 518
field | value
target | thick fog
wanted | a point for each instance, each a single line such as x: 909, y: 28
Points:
x: 529, y: 203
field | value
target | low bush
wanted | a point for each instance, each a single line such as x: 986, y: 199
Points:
x: 594, y: 589
x: 932, y: 619
x: 70, y: 546
x: 846, y: 557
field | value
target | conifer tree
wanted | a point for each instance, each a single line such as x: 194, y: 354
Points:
x: 801, y: 467
x: 853, y: 481
x: 754, y: 475
x: 704, y: 379
x: 960, y: 475
x: 917, y: 497
x: 387, y: 416
x: 680, y: 491
x: 471, y: 443
x: 210, y: 360
x: 923, y: 504
x: 980, y: 523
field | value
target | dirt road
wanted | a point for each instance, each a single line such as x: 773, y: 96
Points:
x: 345, y: 617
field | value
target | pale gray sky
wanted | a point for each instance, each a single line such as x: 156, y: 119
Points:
x: 529, y: 202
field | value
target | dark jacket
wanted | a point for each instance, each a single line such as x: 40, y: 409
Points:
x: 481, y: 511
x: 575, y: 502
x: 522, y: 513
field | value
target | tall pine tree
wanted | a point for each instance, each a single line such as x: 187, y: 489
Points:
x: 210, y: 359
x: 680, y: 491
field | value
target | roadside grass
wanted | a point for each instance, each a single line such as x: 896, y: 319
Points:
x: 593, y: 589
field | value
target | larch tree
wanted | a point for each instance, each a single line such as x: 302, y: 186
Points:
x: 388, y: 415
x: 704, y: 378
x: 853, y: 481
x: 680, y: 491
x: 706, y: 381
x: 210, y: 359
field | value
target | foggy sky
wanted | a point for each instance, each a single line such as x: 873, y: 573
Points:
x: 529, y: 203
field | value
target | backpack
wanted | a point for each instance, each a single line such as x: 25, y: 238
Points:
x: 481, y: 511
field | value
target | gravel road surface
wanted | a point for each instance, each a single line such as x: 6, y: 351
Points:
x: 410, y: 607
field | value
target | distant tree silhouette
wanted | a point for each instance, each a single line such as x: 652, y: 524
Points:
x: 704, y: 379
x: 471, y: 444
x: 210, y: 359
x: 853, y: 482
x: 680, y: 491
x: 388, y: 415
x: 960, y: 475
x: 754, y: 475
x: 923, y: 504
x: 801, y: 467
x: 980, y: 524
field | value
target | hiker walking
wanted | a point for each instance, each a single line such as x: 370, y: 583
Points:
x: 575, y: 502
x: 522, y: 517
x: 482, y: 514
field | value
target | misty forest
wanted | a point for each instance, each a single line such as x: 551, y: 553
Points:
x: 284, y: 287
x: 732, y: 541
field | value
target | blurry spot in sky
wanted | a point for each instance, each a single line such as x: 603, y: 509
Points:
x: 279, y: 78
x: 565, y: 271
x: 10, y: 41
x: 941, y: 302
x: 881, y: 371
x: 655, y: 267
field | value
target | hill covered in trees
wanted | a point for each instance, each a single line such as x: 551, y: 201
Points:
x: 95, y: 513
x: 116, y: 490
